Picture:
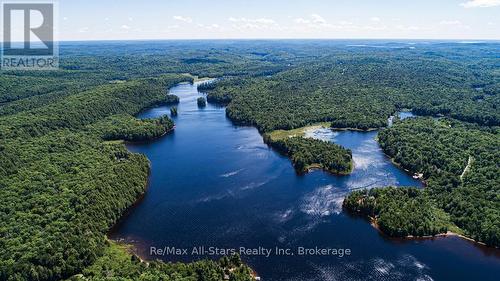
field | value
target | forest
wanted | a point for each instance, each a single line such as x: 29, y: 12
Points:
x: 308, y: 153
x: 399, y: 212
x: 117, y: 264
x: 62, y: 183
x: 361, y: 90
x: 63, y: 161
x: 459, y: 163
x: 128, y: 128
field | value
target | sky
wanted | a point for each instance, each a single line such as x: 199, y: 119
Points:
x: 224, y: 19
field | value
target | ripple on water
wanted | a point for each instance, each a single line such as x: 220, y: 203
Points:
x: 324, y: 201
x: 405, y: 267
x: 251, y: 196
x: 230, y: 174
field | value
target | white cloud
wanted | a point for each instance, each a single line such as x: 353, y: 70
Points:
x: 318, y: 23
x: 126, y: 27
x: 318, y: 19
x: 450, y: 22
x: 481, y: 3
x: 407, y: 28
x: 372, y: 27
x: 175, y: 26
x: 209, y: 27
x: 83, y: 30
x: 184, y: 19
x: 258, y: 23
x: 314, y: 21
x: 344, y: 22
x: 302, y: 21
x: 454, y: 24
x: 259, y: 20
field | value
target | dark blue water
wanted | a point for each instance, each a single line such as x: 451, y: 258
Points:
x: 217, y: 185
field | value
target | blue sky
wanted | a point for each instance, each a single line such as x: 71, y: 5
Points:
x: 196, y: 19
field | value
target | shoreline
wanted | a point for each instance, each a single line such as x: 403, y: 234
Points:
x: 374, y: 224
x: 354, y: 129
x: 142, y: 195
x: 134, y: 249
x: 420, y: 178
x: 167, y: 132
x: 130, y: 246
x: 301, y: 132
x: 129, y: 209
x: 131, y: 249
x: 298, y: 132
x: 318, y: 167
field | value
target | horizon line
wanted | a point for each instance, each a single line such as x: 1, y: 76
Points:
x: 272, y: 39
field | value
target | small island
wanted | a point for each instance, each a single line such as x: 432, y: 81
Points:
x: 170, y: 99
x: 173, y: 111
x: 202, y: 102
x: 309, y: 154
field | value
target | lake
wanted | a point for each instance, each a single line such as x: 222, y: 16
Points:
x: 214, y: 184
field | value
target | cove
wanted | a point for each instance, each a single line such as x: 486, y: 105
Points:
x: 214, y: 185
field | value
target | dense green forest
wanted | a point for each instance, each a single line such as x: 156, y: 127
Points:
x: 307, y: 154
x: 459, y: 162
x: 62, y: 184
x: 399, y: 211
x: 128, y: 128
x: 201, y: 101
x: 362, y: 90
x: 62, y: 161
x: 117, y: 264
